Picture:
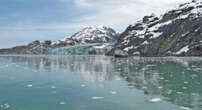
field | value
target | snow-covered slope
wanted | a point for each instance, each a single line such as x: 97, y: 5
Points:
x: 90, y: 35
x: 177, y: 32
x: 100, y: 34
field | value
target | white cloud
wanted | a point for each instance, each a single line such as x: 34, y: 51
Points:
x: 83, y: 3
x: 163, y: 2
x: 119, y: 14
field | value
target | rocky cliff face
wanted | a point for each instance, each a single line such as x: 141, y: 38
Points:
x: 178, y: 32
x: 89, y: 35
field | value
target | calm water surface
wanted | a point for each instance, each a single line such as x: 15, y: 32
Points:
x: 100, y: 83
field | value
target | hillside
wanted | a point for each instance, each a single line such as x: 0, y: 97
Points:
x: 177, y: 32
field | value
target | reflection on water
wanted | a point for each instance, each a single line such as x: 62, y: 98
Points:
x: 176, y: 80
x: 90, y: 68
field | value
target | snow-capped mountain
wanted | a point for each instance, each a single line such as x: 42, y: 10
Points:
x: 89, y: 35
x: 177, y: 32
x: 100, y: 34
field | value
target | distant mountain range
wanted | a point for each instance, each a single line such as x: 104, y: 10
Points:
x: 178, y: 32
x: 89, y: 35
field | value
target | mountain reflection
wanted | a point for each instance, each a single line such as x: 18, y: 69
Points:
x: 178, y: 80
x: 90, y: 68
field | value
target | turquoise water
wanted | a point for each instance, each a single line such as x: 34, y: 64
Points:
x: 100, y: 83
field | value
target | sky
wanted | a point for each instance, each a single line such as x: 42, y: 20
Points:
x: 23, y: 21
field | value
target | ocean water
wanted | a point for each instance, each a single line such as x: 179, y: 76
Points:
x: 100, y: 83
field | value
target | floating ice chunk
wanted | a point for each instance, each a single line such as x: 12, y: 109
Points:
x: 150, y: 65
x: 160, y: 87
x: 83, y: 85
x: 29, y: 85
x: 154, y: 100
x: 184, y: 108
x: 179, y: 92
x: 186, y: 82
x: 97, y: 98
x: 5, y: 106
x: 113, y: 92
x: 62, y: 103
x: 53, y: 87
x: 184, y: 87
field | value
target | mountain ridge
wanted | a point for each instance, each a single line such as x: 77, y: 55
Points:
x: 178, y: 32
x: 88, y: 35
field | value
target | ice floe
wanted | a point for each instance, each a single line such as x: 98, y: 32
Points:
x: 184, y: 108
x: 186, y: 82
x: 5, y: 106
x: 29, y: 85
x: 97, y: 98
x: 83, y: 85
x: 62, y: 103
x: 113, y: 92
x: 179, y: 92
x: 53, y: 87
x: 154, y: 100
x: 184, y: 87
x: 160, y: 87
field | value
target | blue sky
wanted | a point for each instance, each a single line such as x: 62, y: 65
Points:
x: 23, y: 21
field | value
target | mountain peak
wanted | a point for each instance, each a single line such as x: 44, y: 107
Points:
x: 95, y: 34
x: 194, y: 7
x: 97, y: 27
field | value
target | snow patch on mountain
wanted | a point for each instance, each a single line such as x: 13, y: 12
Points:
x: 95, y: 34
x: 184, y: 49
x: 166, y: 34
